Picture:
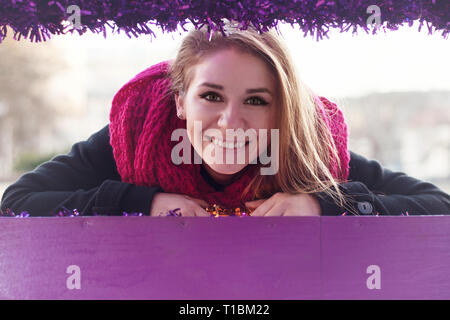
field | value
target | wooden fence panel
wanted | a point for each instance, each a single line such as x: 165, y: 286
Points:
x: 160, y: 258
x: 225, y: 258
x: 410, y: 254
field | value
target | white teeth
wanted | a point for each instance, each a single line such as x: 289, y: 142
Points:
x: 227, y: 145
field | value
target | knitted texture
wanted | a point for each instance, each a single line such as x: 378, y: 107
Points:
x: 142, y: 119
x: 334, y: 119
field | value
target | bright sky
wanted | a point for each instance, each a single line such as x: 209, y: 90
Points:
x: 348, y: 65
x: 342, y: 66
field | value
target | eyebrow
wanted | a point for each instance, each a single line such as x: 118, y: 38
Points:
x: 219, y: 87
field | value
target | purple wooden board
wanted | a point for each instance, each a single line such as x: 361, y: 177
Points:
x: 161, y: 258
x: 413, y: 254
x: 225, y: 258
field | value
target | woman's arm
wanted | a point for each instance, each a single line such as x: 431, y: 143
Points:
x: 377, y: 189
x: 85, y: 179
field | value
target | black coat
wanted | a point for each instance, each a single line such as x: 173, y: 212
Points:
x: 87, y: 179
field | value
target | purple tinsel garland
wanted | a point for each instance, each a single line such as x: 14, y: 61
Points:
x: 63, y: 212
x: 38, y: 20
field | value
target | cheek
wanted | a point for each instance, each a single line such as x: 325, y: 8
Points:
x: 266, y: 136
x: 262, y: 120
x: 193, y: 115
x: 198, y: 120
x: 196, y: 124
x: 194, y: 131
x: 197, y: 110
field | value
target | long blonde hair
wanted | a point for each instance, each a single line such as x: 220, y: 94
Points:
x: 305, y: 141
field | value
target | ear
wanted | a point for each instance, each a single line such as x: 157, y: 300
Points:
x: 179, y: 102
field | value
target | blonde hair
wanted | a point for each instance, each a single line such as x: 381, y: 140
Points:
x: 305, y: 141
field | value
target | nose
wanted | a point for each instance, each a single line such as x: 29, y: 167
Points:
x: 231, y: 117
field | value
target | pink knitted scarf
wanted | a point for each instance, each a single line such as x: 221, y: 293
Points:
x: 142, y: 119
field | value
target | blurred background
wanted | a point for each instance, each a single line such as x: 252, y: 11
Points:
x: 393, y: 87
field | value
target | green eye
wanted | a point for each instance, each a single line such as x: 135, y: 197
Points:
x: 211, y: 96
x: 214, y: 97
x: 257, y: 101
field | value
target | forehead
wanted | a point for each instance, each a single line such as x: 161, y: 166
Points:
x: 233, y: 69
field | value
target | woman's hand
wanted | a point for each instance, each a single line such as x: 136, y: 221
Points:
x: 189, y: 207
x: 285, y: 204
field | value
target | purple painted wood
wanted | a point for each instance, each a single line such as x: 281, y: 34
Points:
x: 412, y: 253
x: 225, y: 258
x: 161, y: 258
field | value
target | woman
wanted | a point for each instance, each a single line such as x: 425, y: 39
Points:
x: 220, y: 87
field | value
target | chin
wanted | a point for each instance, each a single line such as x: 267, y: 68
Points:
x: 228, y: 169
x: 233, y: 160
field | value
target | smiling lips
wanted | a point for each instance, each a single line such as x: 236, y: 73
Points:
x: 225, y: 144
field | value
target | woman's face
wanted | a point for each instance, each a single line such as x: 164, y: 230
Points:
x: 229, y: 90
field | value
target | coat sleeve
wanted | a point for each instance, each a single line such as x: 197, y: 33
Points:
x: 374, y: 190
x: 85, y: 179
